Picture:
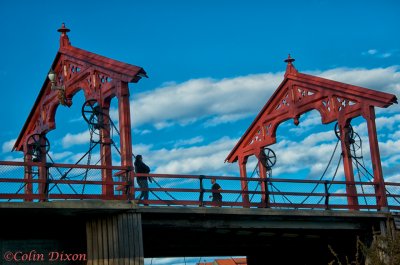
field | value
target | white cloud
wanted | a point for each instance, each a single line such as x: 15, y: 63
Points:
x: 381, y: 79
x: 8, y: 146
x: 77, y: 139
x: 205, y: 159
x: 141, y: 132
x: 59, y: 156
x: 378, y: 54
x: 215, y: 101
x: 307, y: 122
x: 191, y: 141
x: 226, y: 100
x: 395, y: 178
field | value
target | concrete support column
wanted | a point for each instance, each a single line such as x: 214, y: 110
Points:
x: 115, y: 240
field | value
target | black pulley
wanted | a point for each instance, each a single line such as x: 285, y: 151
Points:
x: 267, y: 158
x: 38, y: 145
x: 93, y: 115
x: 350, y: 132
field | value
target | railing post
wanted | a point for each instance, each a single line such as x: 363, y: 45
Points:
x: 46, y: 185
x: 265, y: 181
x: 129, y: 184
x: 201, y: 195
x: 326, y: 195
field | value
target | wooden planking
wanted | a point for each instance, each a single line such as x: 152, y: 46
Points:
x: 95, y: 243
x: 89, y: 244
x: 121, y: 242
x: 104, y: 241
x: 126, y: 245
x: 132, y: 228
x: 99, y: 234
x: 115, y: 240
x: 134, y: 252
x: 110, y: 240
x: 139, y: 259
x: 139, y: 239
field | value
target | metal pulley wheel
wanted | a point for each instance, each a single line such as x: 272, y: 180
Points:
x: 37, y: 143
x: 355, y: 145
x: 93, y: 115
x: 267, y: 158
x: 350, y: 134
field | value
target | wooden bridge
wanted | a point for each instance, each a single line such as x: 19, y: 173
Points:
x: 77, y: 217
x: 121, y: 232
x: 88, y: 214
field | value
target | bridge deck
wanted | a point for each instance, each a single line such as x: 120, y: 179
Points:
x: 205, y: 231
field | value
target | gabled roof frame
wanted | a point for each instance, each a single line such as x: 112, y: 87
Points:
x: 299, y: 93
x: 76, y: 69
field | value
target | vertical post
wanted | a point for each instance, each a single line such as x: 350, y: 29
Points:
x: 125, y: 128
x: 263, y: 176
x: 28, y: 186
x: 351, y: 191
x: 105, y: 150
x: 244, y: 183
x: 201, y: 195
x: 380, y: 191
x: 43, y: 170
x: 326, y: 188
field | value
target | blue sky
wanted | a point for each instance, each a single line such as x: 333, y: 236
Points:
x: 212, y: 65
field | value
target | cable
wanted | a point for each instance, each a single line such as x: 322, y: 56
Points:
x: 359, y: 178
x: 333, y: 178
x: 247, y: 183
x: 323, y: 174
x: 372, y: 177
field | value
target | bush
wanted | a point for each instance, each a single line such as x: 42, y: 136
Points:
x: 384, y: 250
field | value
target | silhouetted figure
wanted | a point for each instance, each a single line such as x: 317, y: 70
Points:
x: 141, y: 167
x: 215, y: 190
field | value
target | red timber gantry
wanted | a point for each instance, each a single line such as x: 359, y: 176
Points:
x: 335, y: 101
x: 101, y: 79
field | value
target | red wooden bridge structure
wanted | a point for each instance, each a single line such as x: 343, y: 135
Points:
x: 257, y: 211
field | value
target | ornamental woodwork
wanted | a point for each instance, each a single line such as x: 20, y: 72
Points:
x: 335, y: 101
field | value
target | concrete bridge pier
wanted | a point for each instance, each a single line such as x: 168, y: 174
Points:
x: 115, y: 239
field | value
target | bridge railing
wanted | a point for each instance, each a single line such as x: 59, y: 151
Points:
x: 20, y: 181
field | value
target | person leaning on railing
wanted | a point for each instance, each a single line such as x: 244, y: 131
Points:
x: 141, y: 167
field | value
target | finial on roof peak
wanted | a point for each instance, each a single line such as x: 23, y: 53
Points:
x: 289, y: 60
x: 290, y: 69
x: 64, y: 40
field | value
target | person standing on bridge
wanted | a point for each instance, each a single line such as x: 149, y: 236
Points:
x: 141, y: 167
x: 215, y: 190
